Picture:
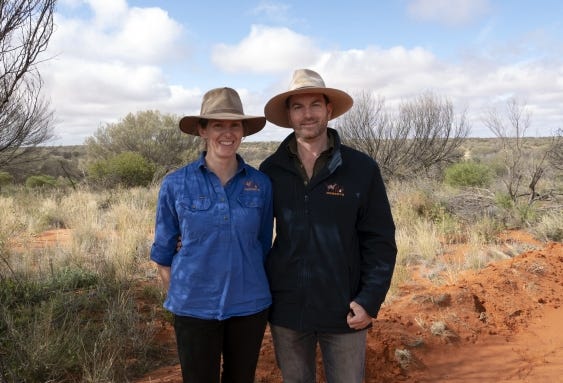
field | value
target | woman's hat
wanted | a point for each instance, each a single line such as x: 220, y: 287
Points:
x: 306, y: 81
x: 222, y: 104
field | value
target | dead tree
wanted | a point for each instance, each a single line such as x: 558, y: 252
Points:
x: 423, y: 135
x: 25, y: 119
x: 522, y: 164
x: 555, y: 155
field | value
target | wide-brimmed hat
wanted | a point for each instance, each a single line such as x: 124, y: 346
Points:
x: 306, y: 81
x: 222, y: 104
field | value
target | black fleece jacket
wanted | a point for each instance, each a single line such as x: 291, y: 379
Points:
x: 335, y: 239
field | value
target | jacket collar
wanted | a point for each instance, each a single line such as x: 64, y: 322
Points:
x: 285, y: 147
x: 283, y: 155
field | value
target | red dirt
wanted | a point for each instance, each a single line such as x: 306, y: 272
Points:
x: 499, y: 324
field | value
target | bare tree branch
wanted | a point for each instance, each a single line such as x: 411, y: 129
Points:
x: 25, y: 119
x: 555, y: 154
x: 423, y: 136
x: 511, y: 127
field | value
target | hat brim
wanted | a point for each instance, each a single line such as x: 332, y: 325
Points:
x: 253, y: 124
x: 276, y: 109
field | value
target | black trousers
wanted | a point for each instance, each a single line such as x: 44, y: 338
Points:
x: 201, y: 344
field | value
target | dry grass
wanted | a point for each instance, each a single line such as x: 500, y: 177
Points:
x: 77, y: 297
x: 88, y: 283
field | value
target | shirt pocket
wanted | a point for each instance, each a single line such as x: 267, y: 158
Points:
x: 249, y: 214
x: 196, y: 205
x: 196, y: 218
x: 251, y: 201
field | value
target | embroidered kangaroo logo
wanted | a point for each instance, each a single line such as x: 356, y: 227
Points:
x: 335, y: 190
x: 251, y: 186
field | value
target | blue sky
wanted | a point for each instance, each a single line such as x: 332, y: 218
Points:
x: 108, y: 58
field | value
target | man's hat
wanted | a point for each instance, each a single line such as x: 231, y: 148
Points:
x: 222, y: 104
x: 306, y: 81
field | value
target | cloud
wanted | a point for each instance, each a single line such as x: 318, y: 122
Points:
x: 399, y: 74
x: 448, y: 12
x: 100, y: 71
x: 396, y: 70
x: 266, y: 50
x: 108, y: 63
x: 276, y: 12
x: 108, y: 12
x: 129, y: 37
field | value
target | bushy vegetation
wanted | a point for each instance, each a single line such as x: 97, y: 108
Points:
x: 422, y: 136
x: 87, y: 309
x: 468, y: 174
x: 5, y: 179
x: 40, y: 181
x: 69, y: 324
x: 124, y: 169
x: 150, y: 134
x: 75, y: 312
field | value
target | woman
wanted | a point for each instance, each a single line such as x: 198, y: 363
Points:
x: 221, y: 208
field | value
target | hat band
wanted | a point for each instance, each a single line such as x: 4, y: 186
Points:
x: 308, y: 87
x: 218, y: 111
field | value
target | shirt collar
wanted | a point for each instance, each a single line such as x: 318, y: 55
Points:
x: 200, y: 162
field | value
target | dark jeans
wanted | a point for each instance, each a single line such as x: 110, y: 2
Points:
x: 201, y: 343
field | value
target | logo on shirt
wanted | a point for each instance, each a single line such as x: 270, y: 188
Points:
x: 251, y: 186
x: 335, y: 190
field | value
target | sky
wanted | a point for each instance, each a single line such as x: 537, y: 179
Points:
x: 109, y: 58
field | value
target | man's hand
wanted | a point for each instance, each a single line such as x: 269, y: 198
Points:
x: 179, y: 243
x: 358, y: 318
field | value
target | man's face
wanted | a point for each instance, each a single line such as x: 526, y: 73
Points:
x: 309, y: 115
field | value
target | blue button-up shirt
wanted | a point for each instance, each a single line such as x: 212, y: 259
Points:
x: 226, y: 234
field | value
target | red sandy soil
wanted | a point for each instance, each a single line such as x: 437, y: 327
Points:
x: 499, y: 324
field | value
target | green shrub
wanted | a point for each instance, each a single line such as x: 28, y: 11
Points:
x: 504, y: 201
x: 5, y: 178
x: 468, y: 174
x: 40, y: 181
x: 127, y: 169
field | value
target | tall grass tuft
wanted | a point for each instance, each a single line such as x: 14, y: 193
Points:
x: 69, y: 312
x: 550, y: 226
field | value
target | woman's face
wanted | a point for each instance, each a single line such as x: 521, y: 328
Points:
x: 223, y: 137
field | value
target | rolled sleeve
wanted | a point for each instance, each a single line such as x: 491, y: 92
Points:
x: 167, y: 229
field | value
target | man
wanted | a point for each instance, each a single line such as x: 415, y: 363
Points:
x: 333, y: 257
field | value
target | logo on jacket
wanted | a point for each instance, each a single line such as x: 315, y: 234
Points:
x: 251, y: 186
x: 335, y: 189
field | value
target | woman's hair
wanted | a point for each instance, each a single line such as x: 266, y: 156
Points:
x: 203, y: 122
